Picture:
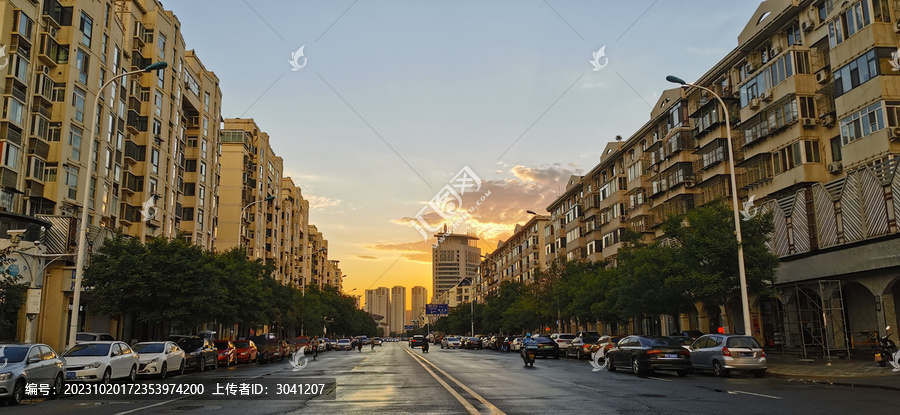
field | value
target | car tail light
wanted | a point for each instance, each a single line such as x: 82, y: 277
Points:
x: 684, y: 351
x: 726, y: 352
x: 654, y: 351
x: 763, y: 353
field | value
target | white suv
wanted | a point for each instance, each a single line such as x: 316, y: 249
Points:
x: 563, y: 340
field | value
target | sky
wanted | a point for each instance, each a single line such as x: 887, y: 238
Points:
x: 390, y: 100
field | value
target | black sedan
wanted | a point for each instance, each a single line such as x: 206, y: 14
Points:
x: 546, y: 347
x: 648, y: 353
x: 472, y: 343
x: 417, y: 341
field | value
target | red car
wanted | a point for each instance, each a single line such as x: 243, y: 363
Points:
x: 227, y: 352
x: 246, y: 351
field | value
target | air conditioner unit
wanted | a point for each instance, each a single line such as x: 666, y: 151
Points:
x: 44, y: 69
x: 754, y: 103
x: 897, y: 27
x: 623, y: 218
x: 828, y: 121
x: 750, y: 68
x: 822, y: 77
x: 806, y: 26
x: 894, y: 134
x: 654, y: 168
x: 835, y: 167
x: 808, y: 122
x: 775, y: 51
x: 689, y: 183
x: 766, y: 96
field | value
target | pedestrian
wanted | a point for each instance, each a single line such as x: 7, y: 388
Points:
x: 315, y: 346
x: 359, y: 345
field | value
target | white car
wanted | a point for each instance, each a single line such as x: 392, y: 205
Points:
x: 450, y: 343
x: 159, y: 358
x: 563, y: 340
x: 101, y: 362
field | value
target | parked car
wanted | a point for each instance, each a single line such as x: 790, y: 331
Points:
x: 723, y: 353
x: 365, y: 340
x: 199, y: 353
x: 473, y: 343
x: 547, y: 347
x: 30, y: 363
x: 344, y: 344
x: 159, y: 358
x: 587, y: 333
x: 693, y: 334
x: 603, y: 345
x: 376, y: 341
x: 450, y: 343
x: 246, y: 351
x: 580, y: 347
x: 648, y: 353
x: 563, y: 339
x: 268, y: 347
x: 516, y: 344
x: 417, y: 341
x: 227, y: 352
x: 101, y: 362
x: 83, y: 336
x: 684, y: 340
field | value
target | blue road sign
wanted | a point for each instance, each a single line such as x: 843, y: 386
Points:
x: 436, y: 309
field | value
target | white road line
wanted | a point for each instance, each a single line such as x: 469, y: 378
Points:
x: 494, y: 409
x: 664, y: 380
x: 586, y: 387
x: 757, y: 394
x: 131, y: 411
x: 469, y: 408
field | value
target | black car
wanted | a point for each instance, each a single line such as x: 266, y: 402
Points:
x: 644, y: 354
x: 472, y: 343
x: 199, y: 353
x: 547, y: 347
x: 417, y: 341
x: 693, y: 334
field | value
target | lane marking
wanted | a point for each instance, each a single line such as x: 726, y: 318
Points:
x: 756, y: 394
x: 582, y: 386
x: 664, y: 380
x: 469, y: 408
x: 131, y: 411
x: 494, y: 409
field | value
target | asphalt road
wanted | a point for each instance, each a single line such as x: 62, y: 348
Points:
x: 396, y: 379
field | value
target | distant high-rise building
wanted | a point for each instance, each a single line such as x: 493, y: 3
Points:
x: 454, y: 257
x: 419, y: 299
x: 370, y: 301
x: 381, y: 305
x: 398, y: 309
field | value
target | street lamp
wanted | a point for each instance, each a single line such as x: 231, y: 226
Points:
x: 85, y: 200
x: 241, y: 225
x: 745, y: 301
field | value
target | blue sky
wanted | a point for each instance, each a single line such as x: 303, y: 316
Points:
x: 398, y: 96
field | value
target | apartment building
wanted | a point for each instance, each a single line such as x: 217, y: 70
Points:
x: 454, y: 258
x: 516, y: 259
x: 333, y: 274
x: 812, y: 96
x: 461, y: 293
x: 317, y: 251
x: 293, y: 224
x: 398, y: 318
x: 381, y: 306
x: 418, y: 300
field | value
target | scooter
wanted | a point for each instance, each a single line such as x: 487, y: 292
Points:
x: 886, y: 351
x: 425, y: 347
x: 528, y: 357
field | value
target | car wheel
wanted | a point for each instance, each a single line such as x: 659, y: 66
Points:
x: 718, y: 370
x: 883, y: 363
x: 58, y: 385
x: 163, y: 371
x: 636, y: 367
x: 609, y: 365
x: 181, y: 369
x: 216, y: 363
x: 18, y: 393
x: 201, y: 364
x: 759, y: 373
x: 579, y: 355
x: 132, y: 375
x: 107, y: 376
x: 682, y: 373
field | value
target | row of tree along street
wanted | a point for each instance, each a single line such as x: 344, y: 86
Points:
x: 695, y: 261
x: 166, y: 286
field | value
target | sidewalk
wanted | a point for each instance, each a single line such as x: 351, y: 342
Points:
x: 858, y: 373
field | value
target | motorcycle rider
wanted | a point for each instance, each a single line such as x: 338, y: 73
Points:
x: 528, y: 344
x: 425, y: 346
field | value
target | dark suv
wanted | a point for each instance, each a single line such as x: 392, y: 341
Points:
x: 199, y: 353
x: 417, y: 341
x: 269, y: 348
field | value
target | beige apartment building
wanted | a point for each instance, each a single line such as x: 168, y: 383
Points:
x: 293, y: 219
x: 813, y: 99
x: 516, y: 259
x: 454, y: 258
x: 398, y: 310
x: 419, y: 299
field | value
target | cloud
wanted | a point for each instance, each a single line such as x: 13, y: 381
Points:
x: 367, y: 257
x: 418, y: 251
x: 321, y: 202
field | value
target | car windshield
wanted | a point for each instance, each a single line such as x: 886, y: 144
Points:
x: 148, y: 348
x: 242, y: 344
x: 192, y: 344
x: 452, y: 339
x: 221, y: 345
x: 95, y: 349
x: 660, y: 342
x: 748, y: 342
x: 13, y: 354
x: 566, y: 337
x: 343, y: 341
x: 541, y: 339
x: 83, y: 337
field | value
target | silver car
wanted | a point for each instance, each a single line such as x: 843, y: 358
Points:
x: 723, y: 353
x: 30, y: 363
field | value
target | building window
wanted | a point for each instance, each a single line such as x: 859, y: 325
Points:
x: 206, y: 101
x: 848, y: 23
x: 203, y: 147
x: 158, y: 101
x: 836, y: 154
x: 190, y: 165
x: 203, y: 172
x: 807, y: 107
x: 154, y: 161
x: 75, y: 141
x: 187, y: 214
x: 50, y: 174
x: 190, y: 189
x: 767, y: 79
x: 161, y: 45
x: 86, y: 27
x: 14, y: 111
x: 22, y: 24
x: 201, y: 195
x: 78, y: 101
x: 10, y: 155
x: 875, y: 62
x: 82, y: 63
x: 795, y: 154
x: 862, y: 123
x: 205, y: 127
x: 200, y: 217
x: 793, y: 35
x: 72, y: 181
